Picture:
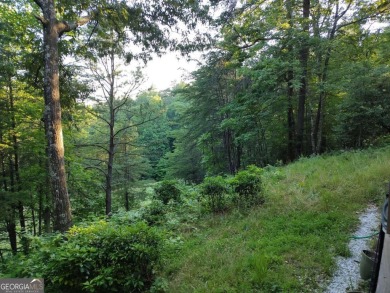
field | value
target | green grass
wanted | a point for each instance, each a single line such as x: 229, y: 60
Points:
x: 289, y: 243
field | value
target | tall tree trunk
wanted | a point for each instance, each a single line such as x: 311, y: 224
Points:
x: 44, y: 211
x: 291, y: 145
x: 10, y: 219
x: 15, y: 146
x: 40, y: 211
x: 239, y: 154
x: 3, y: 168
x: 52, y: 116
x: 10, y: 213
x: 111, y: 153
x: 290, y: 117
x: 304, y: 57
x: 319, y: 121
x: 11, y: 229
x: 127, y: 200
x: 111, y: 144
x: 34, y: 222
x: 127, y: 180
x: 47, y: 220
x: 230, y: 151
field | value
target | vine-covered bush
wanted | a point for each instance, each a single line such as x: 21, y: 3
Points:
x: 102, y: 257
x: 215, y: 191
x: 168, y: 191
x: 248, y: 186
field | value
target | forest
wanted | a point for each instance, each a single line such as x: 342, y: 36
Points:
x: 106, y: 186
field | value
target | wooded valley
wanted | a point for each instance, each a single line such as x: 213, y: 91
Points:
x: 106, y: 174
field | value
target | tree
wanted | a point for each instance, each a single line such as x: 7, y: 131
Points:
x: 149, y: 24
x: 118, y: 117
x: 183, y: 157
x: 52, y: 30
x: 363, y: 114
x: 17, y: 102
x: 155, y: 137
x: 302, y: 35
x: 212, y: 91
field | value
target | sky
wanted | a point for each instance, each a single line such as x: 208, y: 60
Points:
x: 168, y: 70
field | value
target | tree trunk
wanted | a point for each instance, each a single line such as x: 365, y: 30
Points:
x: 52, y: 116
x: 127, y: 180
x: 109, y: 176
x: 291, y: 145
x: 34, y: 224
x: 15, y: 146
x: 4, y: 173
x: 47, y: 220
x: 127, y: 201
x: 304, y: 56
x: 10, y: 219
x: 230, y: 150
x: 10, y: 213
x: 44, y: 211
x: 239, y: 154
x: 290, y: 118
x: 319, y: 122
x: 40, y: 211
x: 111, y: 145
x: 11, y: 229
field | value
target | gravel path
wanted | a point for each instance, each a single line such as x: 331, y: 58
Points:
x: 347, y: 273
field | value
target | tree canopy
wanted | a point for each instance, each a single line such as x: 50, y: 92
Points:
x: 280, y: 80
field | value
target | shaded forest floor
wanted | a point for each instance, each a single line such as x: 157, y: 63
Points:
x: 290, y: 243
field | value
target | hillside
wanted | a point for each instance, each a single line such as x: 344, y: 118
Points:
x: 173, y: 241
x: 289, y: 243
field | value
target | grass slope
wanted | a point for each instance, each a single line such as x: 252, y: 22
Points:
x: 289, y: 243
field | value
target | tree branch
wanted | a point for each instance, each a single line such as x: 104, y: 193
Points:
x: 381, y: 9
x: 64, y: 26
x: 92, y: 145
x: 41, y: 19
x: 97, y: 168
x: 39, y: 3
x: 343, y: 12
x: 97, y: 116
x: 135, y: 125
x: 256, y: 41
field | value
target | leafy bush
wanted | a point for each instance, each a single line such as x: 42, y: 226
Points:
x: 168, y: 191
x: 102, y: 257
x: 154, y: 213
x: 248, y: 187
x: 215, y: 191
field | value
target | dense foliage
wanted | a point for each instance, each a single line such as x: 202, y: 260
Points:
x: 168, y: 191
x: 216, y: 191
x: 81, y: 138
x: 248, y: 186
x: 101, y: 257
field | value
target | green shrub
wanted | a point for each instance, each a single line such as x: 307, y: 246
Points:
x: 168, y: 191
x: 102, y: 257
x: 248, y: 187
x: 154, y: 213
x: 215, y: 191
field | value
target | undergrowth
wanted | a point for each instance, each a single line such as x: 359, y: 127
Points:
x: 289, y: 243
x: 276, y: 229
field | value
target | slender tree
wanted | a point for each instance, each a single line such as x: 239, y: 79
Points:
x: 149, y: 24
x: 116, y: 112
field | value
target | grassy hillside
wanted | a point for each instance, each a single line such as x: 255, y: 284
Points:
x: 289, y: 243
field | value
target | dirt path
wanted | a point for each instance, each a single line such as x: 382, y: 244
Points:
x: 347, y: 275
